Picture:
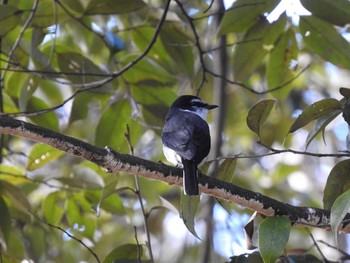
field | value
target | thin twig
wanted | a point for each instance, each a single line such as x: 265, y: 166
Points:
x: 228, y: 9
x: 276, y: 151
x: 232, y: 44
x: 335, y: 248
x: 209, y: 6
x: 242, y: 85
x: 138, y: 245
x: 318, y: 248
x: 139, y: 196
x: 68, y: 234
x: 197, y: 43
x: 79, y: 20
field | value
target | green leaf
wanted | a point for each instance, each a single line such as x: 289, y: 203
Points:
x: 315, y: 111
x: 9, y: 105
x: 189, y: 206
x: 142, y: 36
x: 109, y: 7
x: 128, y: 253
x: 77, y: 65
x: 26, y: 91
x: 72, y: 210
x: 278, y: 69
x: 175, y: 40
x: 337, y: 183
x: 258, y: 114
x: 155, y: 103
x: 340, y: 208
x: 108, y: 189
x: 51, y: 91
x: 82, y: 103
x: 9, y: 18
x: 74, y: 6
x: 225, y: 171
x: 323, y: 39
x: 340, y: 10
x: 273, y: 237
x: 52, y: 208
x: 84, y: 177
x: 147, y: 72
x: 258, y: 40
x: 166, y: 204
x: 48, y: 120
x: 243, y: 14
x: 5, y: 221
x: 10, y: 170
x: 16, y: 198
x: 48, y: 14
x: 112, y: 125
x: 320, y: 126
x: 90, y: 224
x: 14, y: 83
x: 37, y: 240
x: 40, y: 155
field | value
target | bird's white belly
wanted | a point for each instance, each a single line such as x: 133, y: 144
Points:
x: 172, y: 156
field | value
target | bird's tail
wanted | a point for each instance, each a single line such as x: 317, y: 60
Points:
x: 190, y: 177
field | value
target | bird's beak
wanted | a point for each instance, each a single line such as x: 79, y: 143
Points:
x: 210, y: 107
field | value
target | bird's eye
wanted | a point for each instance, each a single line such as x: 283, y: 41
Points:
x: 197, y: 104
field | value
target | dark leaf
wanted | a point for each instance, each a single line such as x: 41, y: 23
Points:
x: 337, y: 183
x: 320, y: 126
x: 315, y: 111
x: 5, y: 221
x: 258, y: 114
x: 109, y: 7
x: 9, y: 18
x: 336, y: 12
x: 128, y: 253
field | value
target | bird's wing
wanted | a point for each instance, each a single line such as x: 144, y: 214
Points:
x: 188, y: 135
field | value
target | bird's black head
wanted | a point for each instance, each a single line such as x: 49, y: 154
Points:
x: 191, y: 103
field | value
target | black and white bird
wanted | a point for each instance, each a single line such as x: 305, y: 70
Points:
x: 186, y: 137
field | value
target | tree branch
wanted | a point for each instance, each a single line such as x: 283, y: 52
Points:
x: 114, y: 162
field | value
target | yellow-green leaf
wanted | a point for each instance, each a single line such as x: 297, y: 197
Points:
x: 323, y: 39
x: 40, y: 155
x: 189, y: 206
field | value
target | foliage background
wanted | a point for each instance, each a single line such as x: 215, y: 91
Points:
x: 91, y: 70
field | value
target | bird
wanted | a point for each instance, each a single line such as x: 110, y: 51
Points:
x: 186, y: 137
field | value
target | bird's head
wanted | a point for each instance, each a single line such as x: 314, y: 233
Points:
x: 193, y: 104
